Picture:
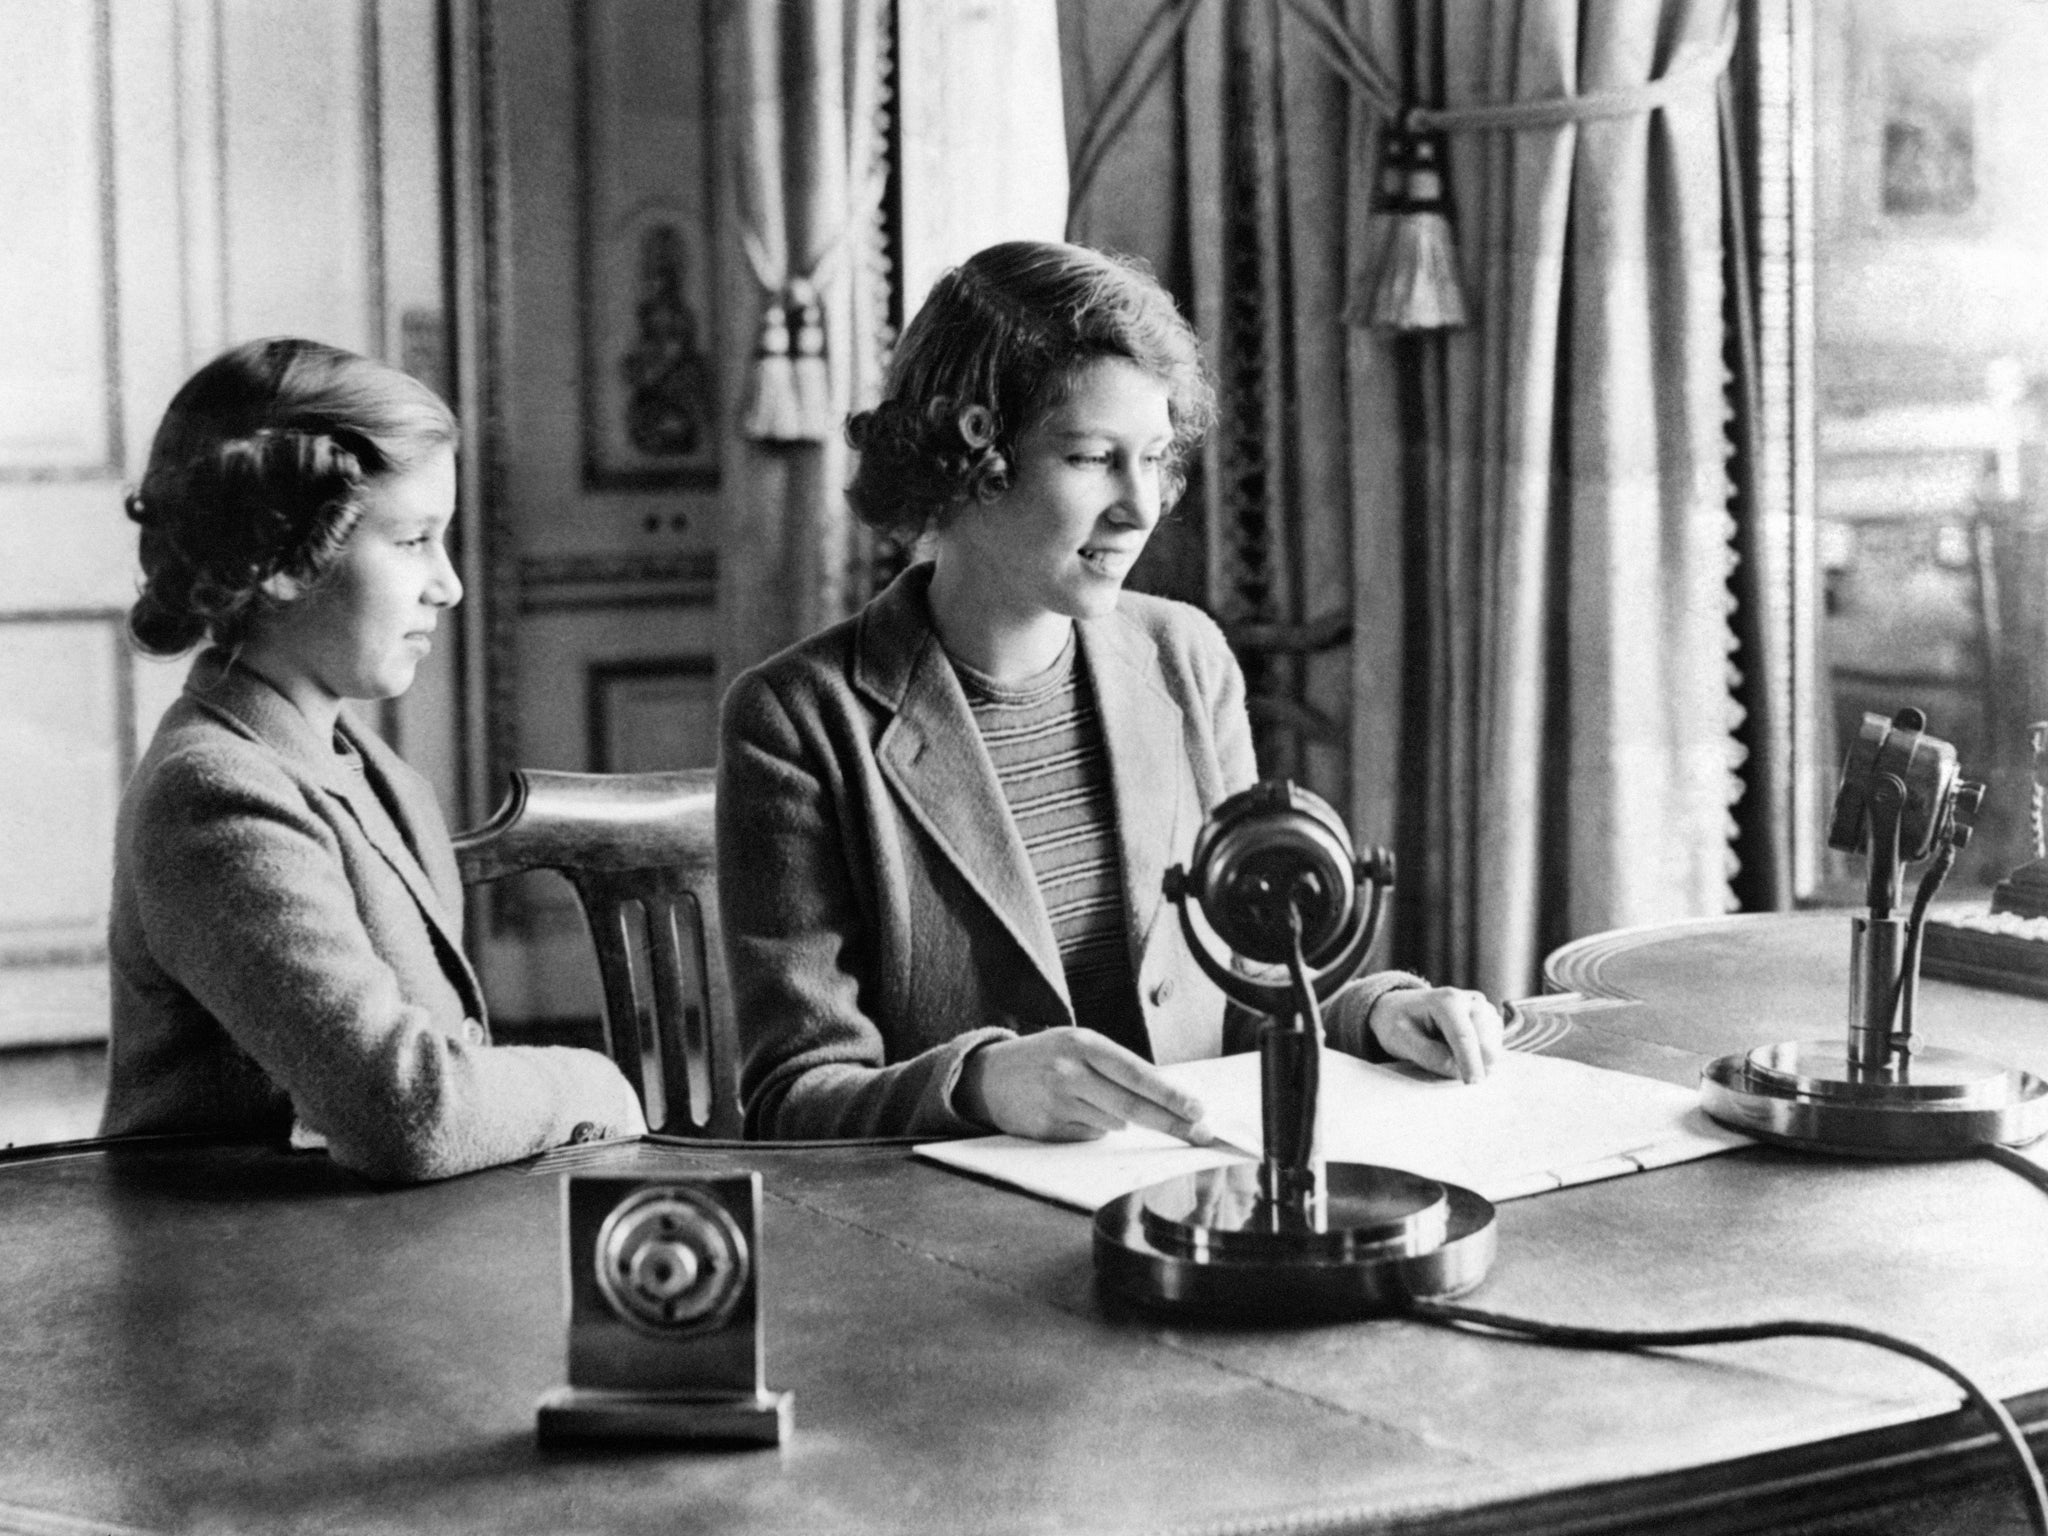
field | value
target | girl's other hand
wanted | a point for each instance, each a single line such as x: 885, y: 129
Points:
x: 1448, y: 1030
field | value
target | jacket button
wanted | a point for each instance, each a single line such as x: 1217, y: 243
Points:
x: 1162, y: 992
x: 472, y: 1031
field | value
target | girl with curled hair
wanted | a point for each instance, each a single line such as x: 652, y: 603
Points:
x: 943, y: 824
x: 992, y: 349
x: 285, y: 938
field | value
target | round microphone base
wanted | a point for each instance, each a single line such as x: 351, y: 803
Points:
x: 1936, y: 1103
x: 1211, y: 1243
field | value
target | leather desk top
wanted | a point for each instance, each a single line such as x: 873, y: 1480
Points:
x: 221, y: 1339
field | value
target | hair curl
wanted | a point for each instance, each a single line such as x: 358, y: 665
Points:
x: 995, y: 347
x: 257, y: 471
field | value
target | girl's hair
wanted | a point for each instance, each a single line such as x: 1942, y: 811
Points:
x: 257, y: 471
x: 990, y: 352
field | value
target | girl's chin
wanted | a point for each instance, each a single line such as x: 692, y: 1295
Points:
x: 1096, y: 596
x: 393, y: 682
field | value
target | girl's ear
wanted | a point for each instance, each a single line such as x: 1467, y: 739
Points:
x: 283, y: 588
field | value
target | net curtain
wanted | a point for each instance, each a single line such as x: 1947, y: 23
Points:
x: 1521, y: 526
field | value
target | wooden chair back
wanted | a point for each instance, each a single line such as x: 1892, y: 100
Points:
x: 639, y: 848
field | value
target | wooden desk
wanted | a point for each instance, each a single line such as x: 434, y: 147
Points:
x: 237, y: 1340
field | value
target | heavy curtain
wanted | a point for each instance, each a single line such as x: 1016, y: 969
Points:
x: 1242, y: 174
x: 1575, y: 690
x: 1522, y: 527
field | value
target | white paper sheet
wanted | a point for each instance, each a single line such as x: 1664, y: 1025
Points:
x: 1536, y: 1123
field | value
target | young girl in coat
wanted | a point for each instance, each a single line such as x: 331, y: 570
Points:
x: 285, y: 940
x: 943, y: 824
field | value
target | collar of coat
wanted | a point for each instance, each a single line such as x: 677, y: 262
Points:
x: 252, y: 707
x: 931, y: 753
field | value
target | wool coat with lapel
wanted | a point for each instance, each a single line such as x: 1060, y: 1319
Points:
x: 880, y: 914
x: 286, y: 955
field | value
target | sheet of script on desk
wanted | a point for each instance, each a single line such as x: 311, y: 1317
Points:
x: 1535, y: 1123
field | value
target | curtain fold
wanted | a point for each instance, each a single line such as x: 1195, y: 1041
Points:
x: 1234, y: 176
x: 1522, y: 528
x: 812, y: 89
x: 811, y: 170
x: 1581, y: 720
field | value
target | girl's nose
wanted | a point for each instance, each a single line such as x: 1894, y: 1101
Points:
x: 445, y: 589
x: 1138, y: 497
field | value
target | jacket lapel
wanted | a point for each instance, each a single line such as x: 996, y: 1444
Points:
x: 268, y: 715
x: 391, y: 829
x: 1142, y: 732
x: 931, y: 754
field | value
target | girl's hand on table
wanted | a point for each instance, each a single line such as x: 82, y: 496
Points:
x: 1072, y: 1085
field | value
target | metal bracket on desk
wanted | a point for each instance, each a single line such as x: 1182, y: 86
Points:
x: 665, y: 1337
x: 588, y: 1413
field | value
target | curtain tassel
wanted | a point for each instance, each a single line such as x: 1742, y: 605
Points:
x: 1417, y: 287
x: 792, y: 392
x: 812, y: 375
x: 772, y: 414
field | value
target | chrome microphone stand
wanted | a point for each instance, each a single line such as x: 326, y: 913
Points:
x: 1291, y: 1237
x: 1883, y: 1091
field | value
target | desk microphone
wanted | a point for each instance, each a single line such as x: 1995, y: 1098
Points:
x: 1295, y: 1240
x: 1882, y: 1091
x: 1275, y: 876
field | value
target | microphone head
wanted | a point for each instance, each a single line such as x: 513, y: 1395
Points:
x: 1265, y: 851
x: 1899, y: 748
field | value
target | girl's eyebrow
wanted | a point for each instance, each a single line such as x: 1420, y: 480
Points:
x: 1072, y: 434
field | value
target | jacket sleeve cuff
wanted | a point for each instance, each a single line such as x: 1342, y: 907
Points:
x: 1346, y: 1017
x: 948, y: 1095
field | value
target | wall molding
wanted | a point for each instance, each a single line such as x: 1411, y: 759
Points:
x: 679, y: 578
x: 608, y: 686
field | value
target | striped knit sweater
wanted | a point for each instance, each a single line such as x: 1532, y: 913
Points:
x: 1045, y: 739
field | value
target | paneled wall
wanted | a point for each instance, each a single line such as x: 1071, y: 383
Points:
x: 606, y: 356
x: 177, y: 175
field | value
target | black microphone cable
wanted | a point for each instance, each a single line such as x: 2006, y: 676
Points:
x: 2016, y: 1162
x: 2034, y: 1497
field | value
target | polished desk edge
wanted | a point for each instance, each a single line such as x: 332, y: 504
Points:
x: 1804, y: 1482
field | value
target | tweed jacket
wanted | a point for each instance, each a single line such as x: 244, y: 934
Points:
x: 286, y: 957
x: 880, y: 914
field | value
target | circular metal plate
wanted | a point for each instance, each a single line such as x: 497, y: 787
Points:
x: 1290, y: 1286
x: 670, y: 1259
x: 1366, y: 1210
x: 2006, y: 1106
x: 1931, y: 1075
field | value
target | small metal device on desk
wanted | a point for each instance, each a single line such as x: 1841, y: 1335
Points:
x: 2005, y: 948
x: 1884, y: 1091
x: 664, y: 1314
x: 1290, y: 1237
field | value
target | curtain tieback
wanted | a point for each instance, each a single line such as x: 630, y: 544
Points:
x: 1344, y: 53
x: 1417, y: 287
x: 1698, y: 74
x: 790, y: 396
